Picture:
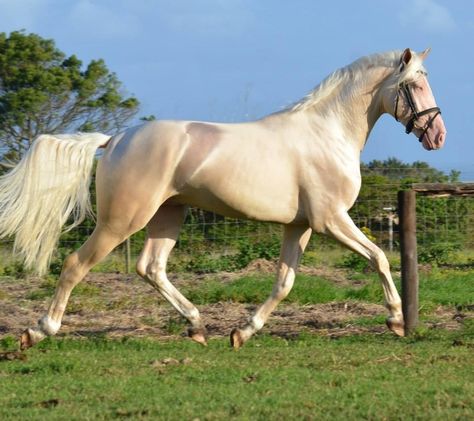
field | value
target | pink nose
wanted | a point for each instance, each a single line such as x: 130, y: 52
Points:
x: 439, y: 130
x: 440, y: 139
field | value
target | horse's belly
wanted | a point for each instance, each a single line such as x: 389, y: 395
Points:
x: 249, y: 202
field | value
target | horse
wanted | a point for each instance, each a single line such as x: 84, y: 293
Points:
x: 299, y: 167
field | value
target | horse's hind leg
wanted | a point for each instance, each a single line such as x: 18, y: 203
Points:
x: 162, y: 233
x: 344, y: 230
x: 295, y: 240
x: 75, y: 267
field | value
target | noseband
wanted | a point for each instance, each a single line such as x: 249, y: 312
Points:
x: 404, y: 87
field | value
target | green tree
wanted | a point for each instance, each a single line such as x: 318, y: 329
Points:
x: 43, y: 91
x: 395, y: 170
x: 437, y: 219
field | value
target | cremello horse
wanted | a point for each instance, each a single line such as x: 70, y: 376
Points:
x: 298, y: 167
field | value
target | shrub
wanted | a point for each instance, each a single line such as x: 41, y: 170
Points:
x: 438, y: 253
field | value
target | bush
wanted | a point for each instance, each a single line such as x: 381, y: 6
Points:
x: 438, y: 253
x: 355, y: 262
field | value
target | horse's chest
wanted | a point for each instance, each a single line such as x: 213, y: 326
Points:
x: 330, y: 185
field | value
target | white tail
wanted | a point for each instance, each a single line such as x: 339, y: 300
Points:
x: 50, y: 183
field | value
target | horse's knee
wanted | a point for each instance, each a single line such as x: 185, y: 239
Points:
x: 380, y: 262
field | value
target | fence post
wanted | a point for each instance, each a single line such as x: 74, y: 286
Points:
x: 128, y: 256
x: 409, y: 258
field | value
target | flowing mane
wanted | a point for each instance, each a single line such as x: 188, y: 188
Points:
x: 344, y: 80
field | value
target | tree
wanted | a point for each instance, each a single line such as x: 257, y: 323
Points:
x: 418, y: 171
x: 443, y: 218
x: 43, y: 91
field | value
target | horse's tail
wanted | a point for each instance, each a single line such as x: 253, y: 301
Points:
x: 38, y: 195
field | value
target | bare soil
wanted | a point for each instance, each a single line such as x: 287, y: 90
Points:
x: 117, y: 305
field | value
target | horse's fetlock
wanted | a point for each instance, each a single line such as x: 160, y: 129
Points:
x: 257, y: 323
x: 49, y: 326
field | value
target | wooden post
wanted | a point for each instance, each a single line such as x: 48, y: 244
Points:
x: 128, y: 256
x: 409, y: 258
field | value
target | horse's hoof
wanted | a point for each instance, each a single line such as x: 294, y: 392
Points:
x: 31, y: 337
x: 396, y: 326
x: 236, y: 338
x: 26, y: 340
x: 198, y: 335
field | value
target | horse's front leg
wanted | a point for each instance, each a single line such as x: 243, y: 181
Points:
x: 295, y: 239
x: 344, y: 230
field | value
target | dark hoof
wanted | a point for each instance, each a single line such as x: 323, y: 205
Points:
x: 236, y: 339
x: 396, y: 327
x: 25, y: 340
x: 198, y: 335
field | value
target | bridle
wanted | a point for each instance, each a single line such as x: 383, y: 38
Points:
x: 404, y: 87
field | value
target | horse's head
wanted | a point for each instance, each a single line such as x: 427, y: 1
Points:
x: 413, y: 103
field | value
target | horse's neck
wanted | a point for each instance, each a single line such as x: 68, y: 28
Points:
x: 355, y: 111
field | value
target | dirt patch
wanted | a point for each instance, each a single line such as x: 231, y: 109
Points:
x: 117, y: 305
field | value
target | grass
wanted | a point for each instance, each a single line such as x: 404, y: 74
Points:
x: 256, y: 288
x: 449, y: 288
x: 428, y: 376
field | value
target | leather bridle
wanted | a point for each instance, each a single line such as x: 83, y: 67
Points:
x: 404, y: 87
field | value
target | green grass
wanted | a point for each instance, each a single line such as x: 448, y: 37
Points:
x: 256, y: 289
x: 427, y: 377
x: 450, y: 288
x: 447, y: 287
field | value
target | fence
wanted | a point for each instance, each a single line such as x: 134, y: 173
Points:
x: 210, y: 241
x: 408, y: 241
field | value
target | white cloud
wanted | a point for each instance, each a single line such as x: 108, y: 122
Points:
x: 427, y: 15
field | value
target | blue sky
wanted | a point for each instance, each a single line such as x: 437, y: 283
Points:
x: 236, y: 60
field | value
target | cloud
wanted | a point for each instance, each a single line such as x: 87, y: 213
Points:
x: 427, y: 15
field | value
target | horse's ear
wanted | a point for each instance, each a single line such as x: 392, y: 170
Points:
x: 405, y: 58
x: 425, y: 53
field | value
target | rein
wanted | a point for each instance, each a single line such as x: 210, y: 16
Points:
x: 404, y: 87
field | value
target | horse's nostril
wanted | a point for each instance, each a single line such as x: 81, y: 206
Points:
x: 441, y: 138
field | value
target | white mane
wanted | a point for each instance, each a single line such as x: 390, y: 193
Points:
x: 343, y: 81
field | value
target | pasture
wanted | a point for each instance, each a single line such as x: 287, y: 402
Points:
x: 325, y: 353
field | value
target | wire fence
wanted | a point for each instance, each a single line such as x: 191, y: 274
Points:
x: 444, y: 226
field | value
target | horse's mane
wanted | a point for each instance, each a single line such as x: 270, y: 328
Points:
x: 355, y: 73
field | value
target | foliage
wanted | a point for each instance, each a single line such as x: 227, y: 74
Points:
x: 16, y: 269
x: 246, y: 250
x: 44, y: 91
x: 381, y: 180
x: 355, y: 262
x: 438, y: 253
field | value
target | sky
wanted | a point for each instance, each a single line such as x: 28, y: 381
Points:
x: 239, y: 60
